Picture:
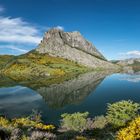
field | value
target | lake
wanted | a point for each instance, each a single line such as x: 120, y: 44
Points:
x: 88, y: 92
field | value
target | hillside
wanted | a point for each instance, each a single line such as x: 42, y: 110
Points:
x: 32, y: 64
x: 4, y: 59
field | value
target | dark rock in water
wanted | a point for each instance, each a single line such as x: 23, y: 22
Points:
x: 73, y: 46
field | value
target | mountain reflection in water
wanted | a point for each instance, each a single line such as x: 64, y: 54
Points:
x: 88, y: 92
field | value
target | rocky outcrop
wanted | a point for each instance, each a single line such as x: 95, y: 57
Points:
x: 72, y: 46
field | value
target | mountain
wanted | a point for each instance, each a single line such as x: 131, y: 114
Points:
x: 132, y: 64
x: 59, y: 56
x: 72, y: 46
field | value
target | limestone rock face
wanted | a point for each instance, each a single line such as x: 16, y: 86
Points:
x: 72, y: 46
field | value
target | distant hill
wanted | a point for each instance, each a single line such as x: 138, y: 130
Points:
x: 132, y: 63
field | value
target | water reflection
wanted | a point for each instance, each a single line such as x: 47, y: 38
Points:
x: 17, y: 101
x: 135, y: 78
x: 57, y: 95
x: 73, y: 91
x: 88, y: 92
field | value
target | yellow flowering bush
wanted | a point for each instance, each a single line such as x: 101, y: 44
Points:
x: 4, y: 122
x: 44, y: 127
x: 131, y: 132
x: 26, y: 122
x: 23, y: 122
x: 19, y: 128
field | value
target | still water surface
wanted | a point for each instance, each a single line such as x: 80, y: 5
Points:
x: 89, y: 92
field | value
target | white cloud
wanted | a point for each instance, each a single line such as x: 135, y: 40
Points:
x: 60, y: 27
x: 13, y: 48
x: 56, y: 27
x: 136, y: 53
x: 130, y: 54
x: 15, y: 30
x: 17, y: 34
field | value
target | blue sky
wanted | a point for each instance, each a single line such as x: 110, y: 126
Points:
x: 113, y: 26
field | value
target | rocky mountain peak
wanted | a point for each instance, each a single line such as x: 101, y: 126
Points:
x: 72, y: 39
x: 72, y: 46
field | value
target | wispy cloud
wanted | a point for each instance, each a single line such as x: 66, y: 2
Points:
x: 13, y: 48
x: 18, y: 31
x: 130, y: 54
x: 57, y: 27
x: 60, y: 27
x: 16, y: 34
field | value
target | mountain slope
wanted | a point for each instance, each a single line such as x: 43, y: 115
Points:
x: 32, y: 64
x: 4, y: 59
x: 72, y: 46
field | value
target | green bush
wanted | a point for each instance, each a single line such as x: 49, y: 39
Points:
x: 100, y: 122
x: 119, y: 113
x: 76, y: 121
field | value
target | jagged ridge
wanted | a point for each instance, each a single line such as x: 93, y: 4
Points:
x: 72, y: 46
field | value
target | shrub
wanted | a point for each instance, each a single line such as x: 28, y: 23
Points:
x: 75, y: 121
x: 121, y: 112
x: 24, y: 137
x: 4, y: 123
x: 100, y: 122
x: 44, y: 127
x: 26, y: 122
x: 131, y: 132
x: 20, y: 127
x: 89, y: 124
x: 23, y: 122
x: 16, y: 134
x: 41, y: 135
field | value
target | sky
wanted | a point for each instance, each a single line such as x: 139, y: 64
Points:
x: 113, y: 26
